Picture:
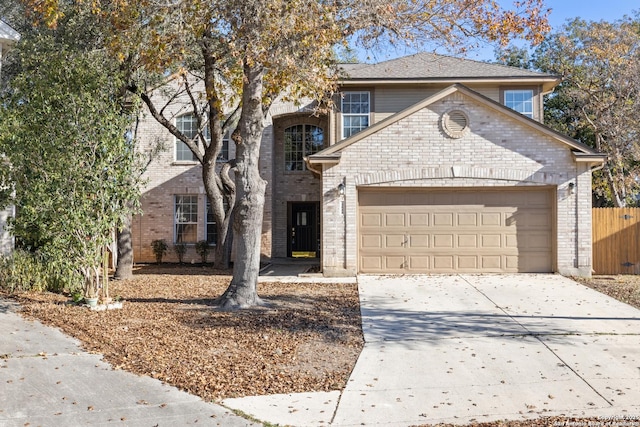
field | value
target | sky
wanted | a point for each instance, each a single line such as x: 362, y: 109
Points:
x: 590, y: 10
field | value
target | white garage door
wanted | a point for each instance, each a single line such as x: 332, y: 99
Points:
x: 472, y: 231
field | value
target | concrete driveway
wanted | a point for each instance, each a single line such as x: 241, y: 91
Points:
x: 484, y: 347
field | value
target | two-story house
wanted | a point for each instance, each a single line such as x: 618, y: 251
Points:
x: 8, y: 36
x: 428, y: 164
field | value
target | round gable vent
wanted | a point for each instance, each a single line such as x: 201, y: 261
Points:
x: 455, y: 123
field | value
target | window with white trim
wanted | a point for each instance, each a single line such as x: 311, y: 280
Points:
x: 188, y: 125
x: 355, y: 110
x: 185, y: 218
x: 520, y: 100
x: 224, y: 150
x: 301, y: 141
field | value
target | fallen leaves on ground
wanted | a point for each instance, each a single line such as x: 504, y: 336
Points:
x: 619, y: 421
x: 625, y: 288
x: 307, y: 339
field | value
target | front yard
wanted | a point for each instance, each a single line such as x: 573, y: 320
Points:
x: 625, y: 288
x: 308, y: 339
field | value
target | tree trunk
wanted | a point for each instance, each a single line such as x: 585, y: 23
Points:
x: 214, y: 193
x: 124, y: 267
x: 618, y: 200
x: 250, y: 196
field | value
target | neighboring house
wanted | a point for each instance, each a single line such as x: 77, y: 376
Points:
x: 8, y: 36
x: 429, y: 164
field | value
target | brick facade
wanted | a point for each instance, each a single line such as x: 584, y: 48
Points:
x: 497, y: 152
x: 166, y: 178
x: 290, y: 186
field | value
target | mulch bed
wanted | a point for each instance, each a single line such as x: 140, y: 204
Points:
x: 307, y: 339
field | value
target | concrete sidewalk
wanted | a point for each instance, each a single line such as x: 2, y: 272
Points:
x: 469, y: 348
x: 46, y: 379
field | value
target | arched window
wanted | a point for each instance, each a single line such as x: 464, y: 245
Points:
x: 301, y: 141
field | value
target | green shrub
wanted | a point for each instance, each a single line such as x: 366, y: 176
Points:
x: 159, y: 249
x: 203, y: 248
x: 180, y: 249
x: 26, y: 271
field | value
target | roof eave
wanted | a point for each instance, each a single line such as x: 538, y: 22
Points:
x: 328, y: 159
x: 581, y: 149
x: 7, y: 34
x: 593, y: 158
x: 547, y: 82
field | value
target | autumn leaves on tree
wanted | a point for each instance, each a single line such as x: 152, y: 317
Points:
x: 250, y: 53
x: 599, y: 99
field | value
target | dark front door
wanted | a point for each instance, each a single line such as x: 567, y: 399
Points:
x: 304, y: 230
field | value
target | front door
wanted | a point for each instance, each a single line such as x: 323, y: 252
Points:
x: 304, y: 230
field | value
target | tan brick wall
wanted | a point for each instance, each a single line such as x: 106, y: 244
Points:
x: 290, y: 186
x: 166, y: 178
x: 498, y: 151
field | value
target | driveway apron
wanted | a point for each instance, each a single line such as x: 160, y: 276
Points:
x: 465, y: 348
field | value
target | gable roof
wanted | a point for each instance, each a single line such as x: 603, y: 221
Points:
x: 582, y: 152
x: 432, y: 67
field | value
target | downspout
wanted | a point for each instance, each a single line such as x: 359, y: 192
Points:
x: 317, y: 173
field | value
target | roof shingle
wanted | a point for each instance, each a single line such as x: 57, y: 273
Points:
x: 427, y: 66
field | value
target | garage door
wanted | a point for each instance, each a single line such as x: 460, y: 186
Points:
x: 473, y: 231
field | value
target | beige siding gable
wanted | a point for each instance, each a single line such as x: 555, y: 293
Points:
x: 389, y: 100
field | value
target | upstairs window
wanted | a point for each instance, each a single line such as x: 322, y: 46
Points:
x: 355, y: 109
x: 520, y: 100
x: 224, y: 150
x: 301, y: 141
x: 188, y: 125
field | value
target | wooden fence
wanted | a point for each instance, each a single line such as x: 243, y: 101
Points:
x: 616, y: 240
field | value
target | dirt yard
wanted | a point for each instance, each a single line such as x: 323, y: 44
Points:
x: 307, y: 339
